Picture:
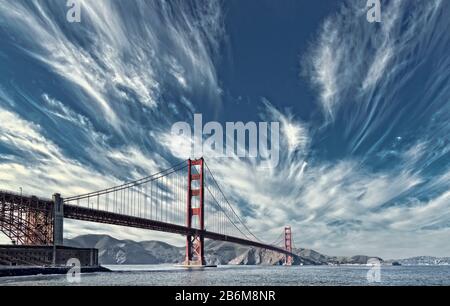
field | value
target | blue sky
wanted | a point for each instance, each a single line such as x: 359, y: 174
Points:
x: 364, y: 110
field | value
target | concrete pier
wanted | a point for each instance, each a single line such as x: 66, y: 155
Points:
x: 58, y: 223
x: 14, y: 255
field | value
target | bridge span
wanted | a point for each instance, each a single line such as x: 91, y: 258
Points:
x: 184, y: 199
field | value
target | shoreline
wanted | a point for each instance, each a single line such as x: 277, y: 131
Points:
x: 33, y: 271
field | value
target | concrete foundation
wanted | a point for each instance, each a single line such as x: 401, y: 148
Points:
x: 13, y: 255
x: 58, y: 212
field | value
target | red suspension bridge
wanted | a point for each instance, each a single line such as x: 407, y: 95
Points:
x: 184, y: 199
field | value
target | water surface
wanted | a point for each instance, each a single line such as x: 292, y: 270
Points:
x: 149, y: 275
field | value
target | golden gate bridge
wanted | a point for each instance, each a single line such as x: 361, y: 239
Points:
x: 184, y: 199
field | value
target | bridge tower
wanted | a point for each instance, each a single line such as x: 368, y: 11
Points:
x: 288, y: 245
x: 58, y: 219
x: 195, y: 255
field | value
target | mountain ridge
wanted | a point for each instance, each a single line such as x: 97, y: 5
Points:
x: 116, y: 251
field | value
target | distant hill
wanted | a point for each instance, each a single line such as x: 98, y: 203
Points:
x: 114, y: 251
x: 422, y: 261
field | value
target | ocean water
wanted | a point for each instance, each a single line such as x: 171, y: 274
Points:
x: 249, y: 276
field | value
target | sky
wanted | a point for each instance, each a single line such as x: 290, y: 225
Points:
x: 363, y: 107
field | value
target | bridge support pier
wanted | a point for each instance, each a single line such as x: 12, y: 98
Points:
x: 195, y: 255
x: 58, y: 220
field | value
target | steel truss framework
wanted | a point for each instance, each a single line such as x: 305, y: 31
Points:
x: 26, y: 220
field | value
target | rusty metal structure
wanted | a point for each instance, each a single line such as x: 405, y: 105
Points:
x: 26, y: 220
x: 157, y: 202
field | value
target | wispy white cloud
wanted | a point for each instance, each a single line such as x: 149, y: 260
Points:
x: 295, y: 133
x: 111, y: 59
x: 39, y: 164
x: 325, y: 68
x: 351, y: 56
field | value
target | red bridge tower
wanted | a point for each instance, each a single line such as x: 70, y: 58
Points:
x: 195, y: 255
x: 288, y: 245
